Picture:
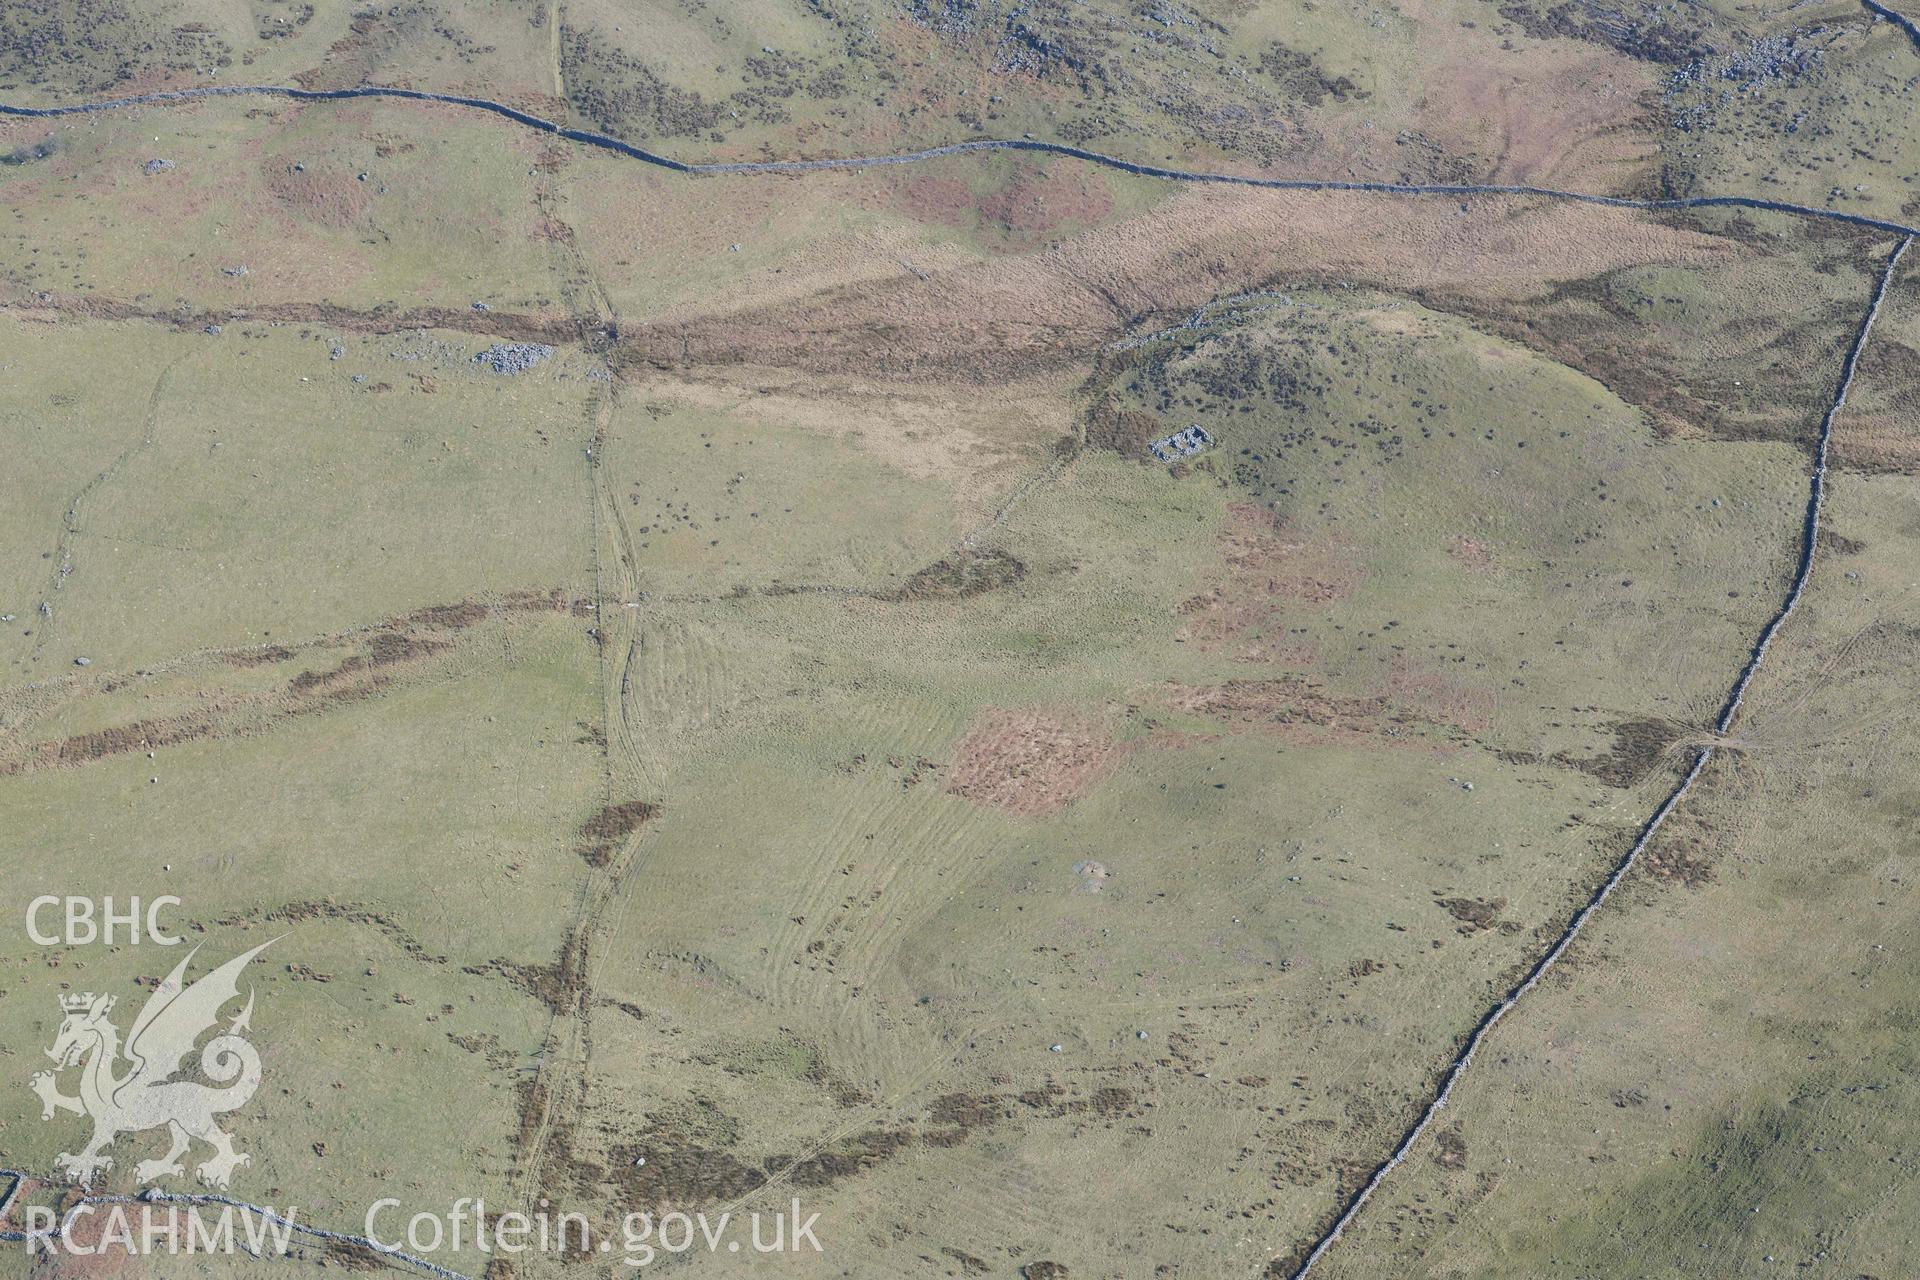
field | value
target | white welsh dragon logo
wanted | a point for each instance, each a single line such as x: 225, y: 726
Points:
x: 147, y: 1096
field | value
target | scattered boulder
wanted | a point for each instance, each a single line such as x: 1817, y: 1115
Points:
x: 513, y: 357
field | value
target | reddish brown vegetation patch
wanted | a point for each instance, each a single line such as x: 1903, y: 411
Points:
x: 323, y: 194
x: 507, y: 325
x: 558, y: 985
x: 680, y: 1174
x: 141, y: 735
x: 601, y: 834
x: 1010, y: 316
x: 1473, y: 553
x: 386, y: 649
x: 1639, y: 747
x: 966, y: 1111
x: 385, y: 654
x: 347, y: 912
x: 451, y: 617
x: 1125, y: 431
x: 1288, y: 703
x: 1436, y: 698
x: 556, y: 600
x: 258, y: 657
x: 965, y: 573
x: 1684, y: 852
x: 1878, y: 442
x: 1038, y: 204
x: 1477, y: 915
x: 1029, y: 762
x: 552, y: 230
x: 1262, y: 552
x: 1034, y: 203
x: 688, y: 1168
x: 354, y: 1256
x: 1893, y: 368
x: 1450, y: 1148
x: 927, y: 198
x: 847, y: 1157
x: 1270, y: 569
x: 1305, y: 713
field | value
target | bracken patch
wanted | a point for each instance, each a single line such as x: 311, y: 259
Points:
x: 1269, y: 571
x: 965, y: 573
x: 601, y: 834
x: 1029, y: 762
